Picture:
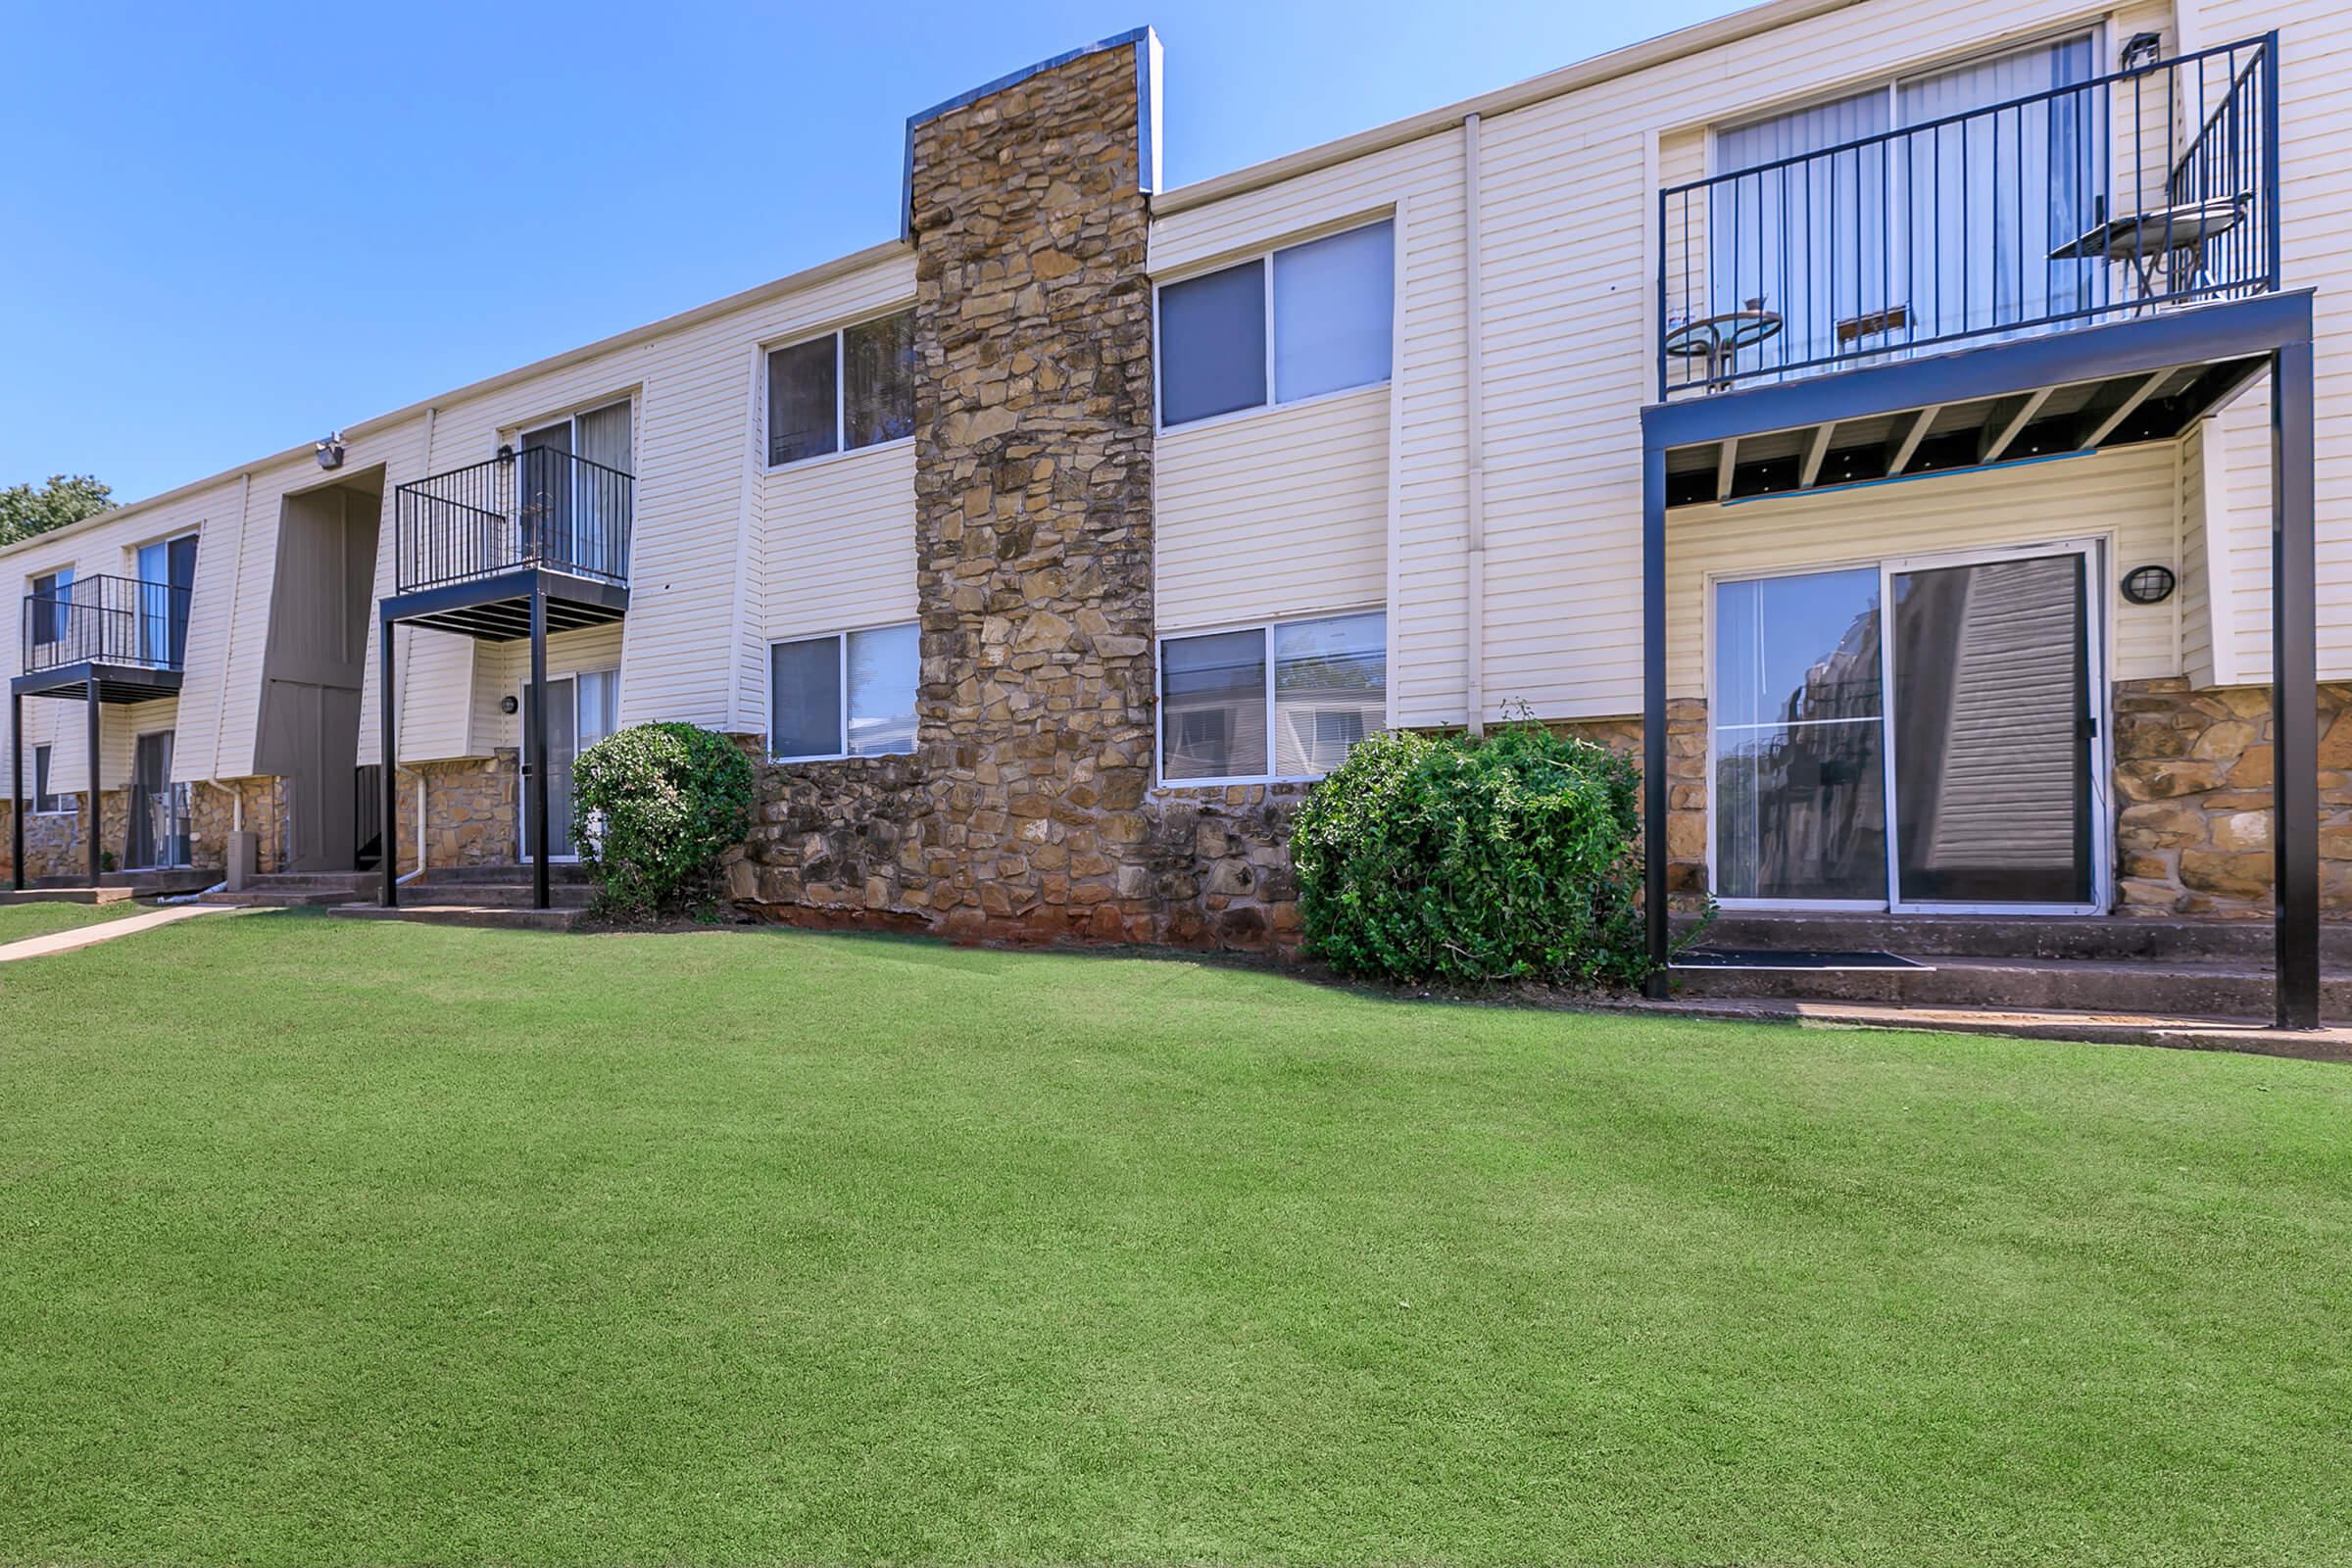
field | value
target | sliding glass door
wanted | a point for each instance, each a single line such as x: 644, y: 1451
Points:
x: 1915, y: 734
x: 581, y: 710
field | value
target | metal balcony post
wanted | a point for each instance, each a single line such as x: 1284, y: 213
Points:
x: 97, y: 806
x: 1655, y: 805
x: 538, y: 742
x: 389, y: 866
x: 16, y: 782
x: 2294, y: 691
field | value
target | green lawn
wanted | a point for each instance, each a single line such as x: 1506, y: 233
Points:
x: 326, y: 1241
x: 21, y: 920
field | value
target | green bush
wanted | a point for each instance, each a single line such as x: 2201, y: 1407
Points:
x: 1447, y: 859
x: 654, y: 810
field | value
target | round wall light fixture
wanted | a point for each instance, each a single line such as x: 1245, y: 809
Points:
x: 507, y: 705
x: 2149, y: 585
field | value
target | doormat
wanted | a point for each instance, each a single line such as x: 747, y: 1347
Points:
x: 1793, y: 958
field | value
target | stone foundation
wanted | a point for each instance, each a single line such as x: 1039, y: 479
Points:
x: 472, y: 810
x: 2193, y: 798
x: 54, y: 845
x: 1686, y: 785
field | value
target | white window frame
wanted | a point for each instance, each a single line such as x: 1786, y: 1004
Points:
x: 841, y: 401
x: 45, y: 750
x: 60, y: 595
x: 1265, y: 265
x: 523, y: 801
x: 840, y: 652
x: 1266, y: 630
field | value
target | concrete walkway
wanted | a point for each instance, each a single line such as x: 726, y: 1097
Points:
x: 85, y: 935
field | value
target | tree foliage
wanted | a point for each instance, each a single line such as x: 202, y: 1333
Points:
x: 26, y: 510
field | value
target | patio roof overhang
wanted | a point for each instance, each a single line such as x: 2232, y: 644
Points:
x: 2082, y: 390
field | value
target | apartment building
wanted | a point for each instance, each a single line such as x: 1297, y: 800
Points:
x: 1890, y: 417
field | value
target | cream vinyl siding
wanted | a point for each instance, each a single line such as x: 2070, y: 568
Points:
x: 835, y: 540
x: 1568, y: 253
x: 506, y: 668
x: 689, y: 647
x: 2194, y: 595
x: 2124, y: 497
x: 1277, y: 512
x: 2315, y: 228
x: 1423, y: 508
x: 110, y: 547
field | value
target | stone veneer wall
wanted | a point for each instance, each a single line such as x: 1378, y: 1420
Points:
x: 1686, y: 785
x: 2193, y: 798
x: 472, y: 810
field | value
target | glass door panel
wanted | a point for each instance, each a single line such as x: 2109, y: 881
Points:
x: 1993, y: 735
x: 1799, y: 782
x: 562, y: 747
x: 159, y: 816
x: 543, y: 494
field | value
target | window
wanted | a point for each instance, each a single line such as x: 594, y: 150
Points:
x: 44, y: 799
x: 578, y: 514
x: 1332, y: 303
x: 52, y: 599
x: 166, y: 577
x: 1225, y: 714
x: 849, y: 389
x: 843, y: 694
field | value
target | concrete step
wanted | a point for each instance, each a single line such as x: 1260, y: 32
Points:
x: 563, y: 872
x: 38, y: 893
x: 2214, y: 990
x: 493, y: 916
x: 496, y: 895
x: 2107, y: 938
x: 281, y: 898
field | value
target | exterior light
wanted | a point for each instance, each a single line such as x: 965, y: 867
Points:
x: 329, y: 452
x: 2149, y: 585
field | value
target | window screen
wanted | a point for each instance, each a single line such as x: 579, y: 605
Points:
x: 805, y: 684
x: 801, y: 406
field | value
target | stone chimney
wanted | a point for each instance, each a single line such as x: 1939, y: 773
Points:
x: 1033, y: 503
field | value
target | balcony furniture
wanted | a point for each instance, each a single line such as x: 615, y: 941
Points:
x: 1719, y: 338
x: 99, y: 640
x: 2175, y: 235
x: 1877, y: 324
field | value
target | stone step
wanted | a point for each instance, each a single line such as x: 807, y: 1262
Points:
x: 2110, y: 938
x: 2073, y: 985
x: 38, y: 893
x: 493, y: 916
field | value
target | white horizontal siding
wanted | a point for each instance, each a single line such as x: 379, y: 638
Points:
x: 836, y: 538
x: 1278, y: 511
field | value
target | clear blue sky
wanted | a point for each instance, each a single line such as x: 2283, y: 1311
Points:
x: 228, y: 230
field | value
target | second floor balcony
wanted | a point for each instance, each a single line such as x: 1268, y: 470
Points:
x: 106, y: 620
x: 539, y: 508
x: 2089, y: 201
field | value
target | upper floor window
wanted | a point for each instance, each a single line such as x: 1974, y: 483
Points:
x: 52, y: 594
x: 1297, y: 321
x: 166, y: 577
x: 851, y: 388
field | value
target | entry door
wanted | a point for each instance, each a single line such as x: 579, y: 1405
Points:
x: 579, y: 713
x: 159, y: 818
x: 1993, y: 779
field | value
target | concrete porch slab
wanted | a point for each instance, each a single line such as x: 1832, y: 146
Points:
x: 2180, y: 1031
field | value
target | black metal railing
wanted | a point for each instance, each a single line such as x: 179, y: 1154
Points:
x: 2154, y: 187
x: 540, y: 507
x: 110, y: 621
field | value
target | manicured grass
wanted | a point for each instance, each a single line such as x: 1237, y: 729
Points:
x: 21, y: 920
x: 330, y: 1242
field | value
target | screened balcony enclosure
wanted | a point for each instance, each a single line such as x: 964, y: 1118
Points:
x: 2004, y: 198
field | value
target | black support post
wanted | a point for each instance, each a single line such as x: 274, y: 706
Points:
x: 97, y: 807
x: 536, y: 723
x: 1653, y: 715
x: 16, y: 782
x: 389, y: 865
x: 2294, y: 691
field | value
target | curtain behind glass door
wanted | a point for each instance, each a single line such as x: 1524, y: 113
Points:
x: 1992, y: 745
x: 601, y: 503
